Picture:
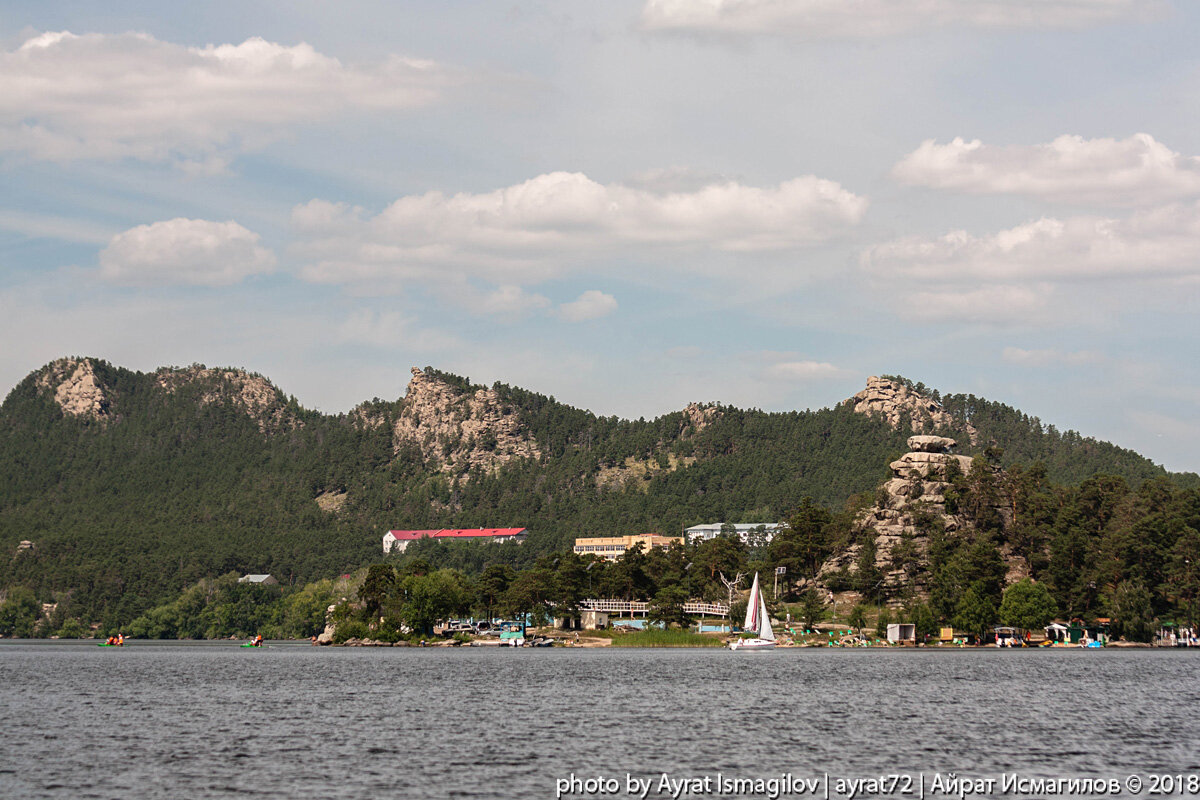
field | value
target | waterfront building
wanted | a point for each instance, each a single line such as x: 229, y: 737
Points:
x: 397, y: 541
x: 613, y: 547
x: 263, y: 580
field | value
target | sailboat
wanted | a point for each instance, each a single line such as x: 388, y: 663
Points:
x: 757, y: 620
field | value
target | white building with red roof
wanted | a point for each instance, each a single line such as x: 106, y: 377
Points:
x: 396, y: 541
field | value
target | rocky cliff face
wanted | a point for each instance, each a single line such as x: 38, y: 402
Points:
x: 698, y: 417
x: 897, y: 404
x: 906, y: 507
x: 456, y: 430
x: 255, y: 395
x: 76, y: 388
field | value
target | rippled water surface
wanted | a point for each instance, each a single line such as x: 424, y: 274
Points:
x: 215, y: 720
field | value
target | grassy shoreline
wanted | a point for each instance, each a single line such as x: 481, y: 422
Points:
x: 660, y: 638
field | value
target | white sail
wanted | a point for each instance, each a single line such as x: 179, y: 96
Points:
x: 764, y: 620
x: 755, y: 601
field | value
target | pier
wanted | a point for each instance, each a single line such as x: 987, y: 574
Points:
x: 637, y: 607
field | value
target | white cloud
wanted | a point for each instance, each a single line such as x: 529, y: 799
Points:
x: 132, y: 96
x: 874, y: 18
x: 1133, y: 171
x: 553, y: 222
x: 674, y: 180
x: 1162, y: 242
x: 1050, y: 357
x: 392, y: 330
x: 592, y: 304
x: 386, y: 329
x: 995, y: 304
x: 510, y: 301
x: 804, y: 370
x: 192, y: 252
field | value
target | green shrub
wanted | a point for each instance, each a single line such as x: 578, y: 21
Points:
x: 350, y: 629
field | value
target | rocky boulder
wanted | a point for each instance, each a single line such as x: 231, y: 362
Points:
x: 930, y: 444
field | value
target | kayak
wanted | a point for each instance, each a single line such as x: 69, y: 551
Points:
x: 247, y: 644
x: 106, y: 644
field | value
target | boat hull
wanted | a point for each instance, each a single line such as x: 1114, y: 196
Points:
x: 752, y: 644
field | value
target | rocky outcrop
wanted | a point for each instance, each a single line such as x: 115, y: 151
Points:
x: 457, y: 429
x: 368, y: 416
x: 698, y: 417
x: 76, y: 388
x: 930, y: 444
x: 639, y: 472
x: 261, y: 400
x: 906, y: 508
x: 331, y: 502
x: 897, y: 404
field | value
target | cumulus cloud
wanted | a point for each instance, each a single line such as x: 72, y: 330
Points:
x: 804, y: 370
x: 537, y: 229
x: 130, y: 95
x: 194, y: 252
x: 1133, y: 171
x: 592, y: 304
x: 874, y: 18
x: 1161, y: 242
x: 1049, y: 357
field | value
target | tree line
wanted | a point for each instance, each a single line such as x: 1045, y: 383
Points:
x: 127, y: 513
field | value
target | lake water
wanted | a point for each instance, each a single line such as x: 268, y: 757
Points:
x: 211, y: 720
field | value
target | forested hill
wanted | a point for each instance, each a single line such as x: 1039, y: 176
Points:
x: 119, y: 488
x: 1068, y: 456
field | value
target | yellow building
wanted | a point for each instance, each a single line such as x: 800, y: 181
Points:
x: 613, y: 547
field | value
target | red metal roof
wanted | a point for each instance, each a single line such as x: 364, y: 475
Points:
x: 455, y: 533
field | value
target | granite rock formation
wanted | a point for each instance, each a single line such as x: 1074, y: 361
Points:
x: 897, y: 405
x: 76, y: 388
x: 261, y: 400
x: 697, y: 417
x: 906, y: 508
x: 457, y: 430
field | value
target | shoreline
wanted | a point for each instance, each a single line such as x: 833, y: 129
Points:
x: 584, y: 642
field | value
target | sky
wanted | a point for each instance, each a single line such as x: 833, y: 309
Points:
x: 629, y: 205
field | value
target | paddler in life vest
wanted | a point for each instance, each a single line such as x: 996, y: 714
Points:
x: 258, y: 640
x: 120, y: 640
x: 112, y: 640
